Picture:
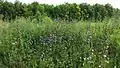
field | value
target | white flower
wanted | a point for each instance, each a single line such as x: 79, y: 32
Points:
x: 84, y: 58
x: 104, y: 56
x: 13, y: 43
x: 100, y: 52
x: 106, y: 61
x: 92, y: 53
x: 114, y: 66
x: 99, y: 66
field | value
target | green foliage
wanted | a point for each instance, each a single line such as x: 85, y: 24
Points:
x: 24, y: 44
x: 65, y: 11
x: 46, y: 36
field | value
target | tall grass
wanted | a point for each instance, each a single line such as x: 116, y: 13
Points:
x: 27, y: 44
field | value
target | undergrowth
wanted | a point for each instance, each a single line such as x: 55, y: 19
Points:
x: 84, y: 44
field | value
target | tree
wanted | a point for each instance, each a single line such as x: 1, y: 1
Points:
x: 109, y: 9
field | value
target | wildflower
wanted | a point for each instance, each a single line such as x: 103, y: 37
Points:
x: 104, y: 56
x: 84, y: 58
x: 92, y: 53
x: 106, y: 61
x: 14, y: 43
x: 100, y: 52
x: 100, y: 66
x: 92, y: 50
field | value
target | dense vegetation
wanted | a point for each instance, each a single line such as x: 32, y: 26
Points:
x: 63, y: 36
x: 26, y: 44
x: 65, y: 11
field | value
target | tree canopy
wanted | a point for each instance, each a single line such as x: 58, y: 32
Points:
x: 66, y: 11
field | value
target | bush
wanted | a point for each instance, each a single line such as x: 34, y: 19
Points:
x: 24, y: 44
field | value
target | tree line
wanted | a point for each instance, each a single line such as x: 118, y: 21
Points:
x: 66, y: 11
